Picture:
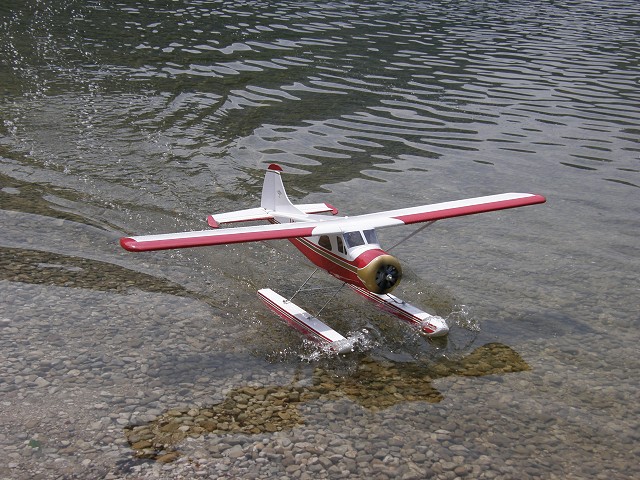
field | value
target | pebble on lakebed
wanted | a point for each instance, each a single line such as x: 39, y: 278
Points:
x: 256, y: 410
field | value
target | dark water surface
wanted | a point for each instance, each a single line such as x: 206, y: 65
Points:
x: 144, y: 117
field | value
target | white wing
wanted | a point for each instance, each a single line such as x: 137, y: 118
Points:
x: 323, y: 225
x: 217, y: 237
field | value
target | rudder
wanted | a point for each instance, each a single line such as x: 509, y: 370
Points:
x: 274, y: 196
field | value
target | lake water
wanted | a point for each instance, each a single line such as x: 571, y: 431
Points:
x: 145, y: 117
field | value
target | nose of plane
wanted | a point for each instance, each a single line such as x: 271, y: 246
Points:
x: 382, y: 274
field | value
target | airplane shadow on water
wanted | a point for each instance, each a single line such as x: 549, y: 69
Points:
x: 373, y: 384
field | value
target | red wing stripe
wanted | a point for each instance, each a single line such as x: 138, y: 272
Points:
x: 470, y: 209
x: 165, y: 242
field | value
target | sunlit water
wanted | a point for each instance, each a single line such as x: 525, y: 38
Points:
x: 144, y: 117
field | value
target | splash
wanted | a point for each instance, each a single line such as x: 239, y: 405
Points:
x: 462, y: 318
x: 355, y: 342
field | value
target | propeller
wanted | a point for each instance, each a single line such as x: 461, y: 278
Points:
x: 386, y: 277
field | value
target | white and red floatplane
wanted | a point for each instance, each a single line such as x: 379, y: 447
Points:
x: 346, y: 247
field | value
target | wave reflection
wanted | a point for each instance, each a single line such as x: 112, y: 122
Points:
x: 225, y: 86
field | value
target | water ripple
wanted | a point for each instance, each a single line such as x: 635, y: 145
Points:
x: 392, y: 77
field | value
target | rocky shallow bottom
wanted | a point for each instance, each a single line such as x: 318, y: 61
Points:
x: 99, y: 384
x: 110, y: 373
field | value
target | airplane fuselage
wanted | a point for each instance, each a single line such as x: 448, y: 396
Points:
x: 353, y: 257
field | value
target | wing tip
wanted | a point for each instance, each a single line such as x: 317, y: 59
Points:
x: 530, y: 199
x: 129, y: 244
x: 540, y: 198
x: 274, y: 167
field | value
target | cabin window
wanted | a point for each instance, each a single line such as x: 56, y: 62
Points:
x: 353, y: 239
x: 341, y: 248
x: 324, y: 242
x: 370, y: 236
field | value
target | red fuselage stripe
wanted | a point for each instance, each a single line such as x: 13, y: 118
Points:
x: 339, y: 267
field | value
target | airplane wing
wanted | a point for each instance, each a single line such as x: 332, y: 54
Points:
x: 439, y: 211
x: 469, y: 206
x: 323, y: 225
x: 221, y: 236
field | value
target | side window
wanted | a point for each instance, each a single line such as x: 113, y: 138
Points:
x: 324, y: 242
x: 353, y: 239
x: 341, y: 248
x: 371, y: 236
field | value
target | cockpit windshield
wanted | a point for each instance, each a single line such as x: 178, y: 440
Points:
x: 370, y: 236
x: 353, y: 239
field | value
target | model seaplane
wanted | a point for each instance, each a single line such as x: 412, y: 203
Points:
x: 346, y: 247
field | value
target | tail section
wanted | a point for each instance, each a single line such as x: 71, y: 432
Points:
x: 274, y: 197
x: 274, y: 203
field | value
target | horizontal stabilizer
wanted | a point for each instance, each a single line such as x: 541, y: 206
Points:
x: 248, y: 215
x: 259, y: 213
x: 317, y: 208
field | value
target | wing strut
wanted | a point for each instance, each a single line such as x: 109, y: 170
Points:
x: 415, y: 232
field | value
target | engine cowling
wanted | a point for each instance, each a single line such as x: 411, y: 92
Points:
x: 382, y: 274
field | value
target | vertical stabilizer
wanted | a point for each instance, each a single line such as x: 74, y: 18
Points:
x: 274, y: 197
